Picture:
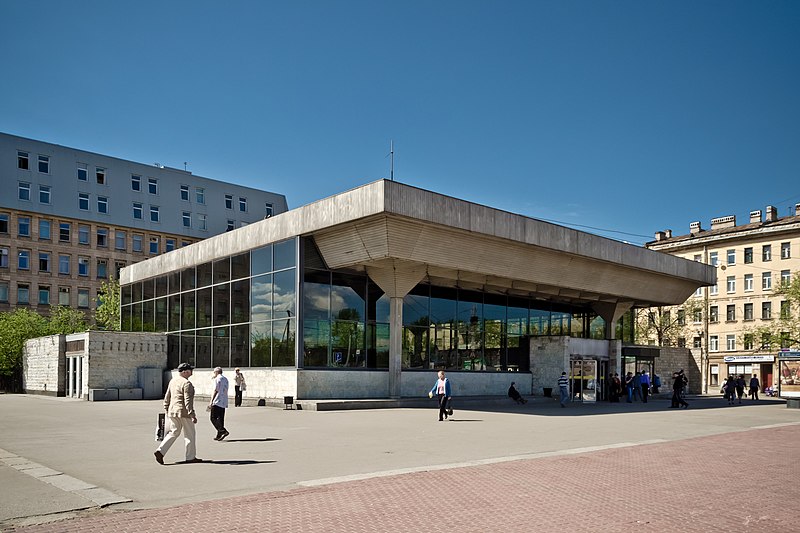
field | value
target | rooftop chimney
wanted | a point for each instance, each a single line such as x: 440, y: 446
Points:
x: 694, y: 227
x: 755, y: 216
x: 796, y: 209
x: 660, y: 236
x: 669, y: 233
x: 723, y: 222
x: 772, y: 214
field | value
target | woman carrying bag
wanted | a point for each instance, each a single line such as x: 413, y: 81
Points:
x: 443, y: 392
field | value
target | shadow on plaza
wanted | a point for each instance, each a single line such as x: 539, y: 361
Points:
x: 266, y: 439
x: 234, y: 462
x: 542, y: 406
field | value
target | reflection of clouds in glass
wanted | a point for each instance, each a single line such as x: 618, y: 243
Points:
x: 345, y: 298
x: 283, y: 302
x: 316, y: 297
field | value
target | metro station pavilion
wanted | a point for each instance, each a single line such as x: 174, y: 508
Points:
x: 367, y: 293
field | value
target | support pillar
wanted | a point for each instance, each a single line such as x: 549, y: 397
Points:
x: 395, y: 345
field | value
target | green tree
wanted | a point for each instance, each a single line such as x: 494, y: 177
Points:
x: 65, y: 320
x: 665, y: 325
x: 784, y: 330
x: 15, y: 328
x: 107, y: 308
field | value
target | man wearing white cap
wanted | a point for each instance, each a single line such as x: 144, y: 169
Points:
x: 179, y: 404
x: 219, y: 402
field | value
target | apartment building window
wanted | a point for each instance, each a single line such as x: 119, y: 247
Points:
x: 185, y: 243
x: 786, y: 278
x: 83, y: 298
x: 730, y: 313
x: 152, y: 185
x: 24, y: 260
x: 228, y: 201
x: 748, y: 283
x: 713, y: 343
x: 748, y: 311
x: 100, y: 174
x: 22, y: 160
x: 4, y: 291
x: 24, y: 226
x: 766, y: 310
x: 3, y: 223
x: 118, y: 266
x: 83, y: 234
x: 713, y: 258
x: 23, y: 294
x: 786, y: 309
x: 185, y: 193
x: 730, y: 341
x: 44, y: 230
x: 63, y: 264
x: 64, y: 230
x: 44, y: 262
x: 83, y: 172
x: 83, y: 201
x: 748, y: 341
x: 44, y: 194
x: 766, y: 281
x: 267, y: 210
x: 154, y: 245
x: 230, y: 226
x: 102, y: 237
x: 698, y: 258
x: 83, y: 266
x: 731, y: 257
x: 102, y: 204
x: 202, y: 222
x: 137, y: 243
x: 187, y: 219
x: 697, y: 317
x: 697, y: 342
x: 786, y: 250
x: 748, y: 255
x: 120, y: 240
x: 137, y: 210
x: 698, y: 292
x: 731, y: 283
x: 102, y: 269
x: 154, y: 213
x: 44, y: 295
x: 713, y: 314
x: 169, y: 245
x: 44, y: 164
x: 200, y: 195
x: 136, y: 183
x: 242, y: 204
x: 63, y: 296
x: 766, y: 252
x: 3, y: 257
x: 785, y: 339
x: 24, y: 191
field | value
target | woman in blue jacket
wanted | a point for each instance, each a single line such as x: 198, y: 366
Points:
x: 441, y: 389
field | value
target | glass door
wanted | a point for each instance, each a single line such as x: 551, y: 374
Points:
x: 583, y: 380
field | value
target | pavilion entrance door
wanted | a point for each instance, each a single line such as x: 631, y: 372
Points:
x: 583, y: 380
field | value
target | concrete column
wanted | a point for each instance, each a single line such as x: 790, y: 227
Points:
x: 610, y: 312
x: 395, y: 345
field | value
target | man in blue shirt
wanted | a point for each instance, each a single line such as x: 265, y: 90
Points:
x: 645, y: 385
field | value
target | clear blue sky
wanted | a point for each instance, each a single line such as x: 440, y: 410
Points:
x: 632, y: 116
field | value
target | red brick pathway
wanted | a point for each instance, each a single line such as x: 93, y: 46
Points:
x: 701, y: 484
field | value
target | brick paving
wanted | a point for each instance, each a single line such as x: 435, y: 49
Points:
x: 698, y: 484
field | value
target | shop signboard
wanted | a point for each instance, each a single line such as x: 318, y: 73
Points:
x: 749, y: 358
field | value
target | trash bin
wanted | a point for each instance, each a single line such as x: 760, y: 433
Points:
x: 288, y: 401
x: 548, y: 392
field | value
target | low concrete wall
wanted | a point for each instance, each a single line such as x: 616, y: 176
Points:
x: 115, y: 357
x: 43, y: 370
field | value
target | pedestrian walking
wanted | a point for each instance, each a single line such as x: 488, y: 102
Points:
x: 754, y: 386
x: 678, y: 384
x: 645, y: 386
x: 656, y: 383
x: 616, y: 391
x: 729, y: 390
x: 239, y: 386
x: 218, y: 404
x: 443, y: 392
x: 629, y: 386
x: 740, y: 387
x: 637, y: 386
x: 563, y: 388
x: 179, y: 404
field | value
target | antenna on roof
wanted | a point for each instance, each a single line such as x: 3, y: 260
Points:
x: 391, y: 160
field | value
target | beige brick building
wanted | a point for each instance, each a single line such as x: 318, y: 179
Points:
x: 752, y: 260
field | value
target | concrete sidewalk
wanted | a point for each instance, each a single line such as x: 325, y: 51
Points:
x: 109, y: 446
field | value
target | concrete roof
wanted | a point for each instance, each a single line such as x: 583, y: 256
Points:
x: 386, y: 226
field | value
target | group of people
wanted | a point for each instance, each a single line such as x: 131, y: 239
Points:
x: 734, y: 386
x: 634, y: 386
x: 179, y: 405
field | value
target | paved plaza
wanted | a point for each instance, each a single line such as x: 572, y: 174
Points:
x: 70, y: 465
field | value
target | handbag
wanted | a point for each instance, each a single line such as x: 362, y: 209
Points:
x: 449, y: 409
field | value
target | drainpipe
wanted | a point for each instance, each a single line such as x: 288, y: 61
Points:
x: 704, y: 339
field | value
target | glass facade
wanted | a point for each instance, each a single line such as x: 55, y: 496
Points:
x: 243, y: 311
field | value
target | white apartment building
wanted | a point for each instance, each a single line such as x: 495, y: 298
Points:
x: 752, y: 260
x: 70, y: 219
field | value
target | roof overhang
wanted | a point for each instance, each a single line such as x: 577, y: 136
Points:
x: 451, y: 242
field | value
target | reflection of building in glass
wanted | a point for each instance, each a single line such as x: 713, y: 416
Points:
x: 320, y: 288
